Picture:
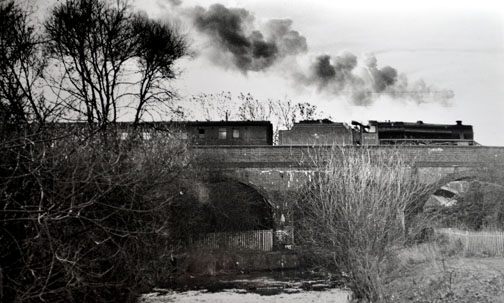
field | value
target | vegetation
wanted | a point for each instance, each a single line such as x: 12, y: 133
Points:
x: 364, y: 217
x: 82, y: 220
x: 353, y: 215
x: 93, y: 45
x: 437, y: 272
x: 480, y: 208
x: 92, y: 61
x: 84, y: 211
x: 21, y: 68
x: 458, y: 265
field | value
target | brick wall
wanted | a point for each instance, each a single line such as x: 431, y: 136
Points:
x: 283, y: 168
x: 291, y: 156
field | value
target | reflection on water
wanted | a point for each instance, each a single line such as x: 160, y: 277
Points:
x: 286, y: 286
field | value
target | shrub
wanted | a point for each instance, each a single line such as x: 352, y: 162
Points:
x: 83, y: 216
x: 355, y: 213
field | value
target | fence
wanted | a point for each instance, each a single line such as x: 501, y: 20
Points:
x: 489, y: 243
x: 254, y: 239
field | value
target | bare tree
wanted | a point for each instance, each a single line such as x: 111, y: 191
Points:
x: 307, y: 111
x: 253, y: 109
x: 159, y: 46
x: 21, y: 67
x: 106, y: 53
x: 219, y: 106
x: 285, y: 111
x: 352, y: 214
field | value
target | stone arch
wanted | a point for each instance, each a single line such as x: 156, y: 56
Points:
x: 448, y: 188
x: 260, y: 190
x: 229, y: 204
x: 478, y: 205
x: 469, y: 174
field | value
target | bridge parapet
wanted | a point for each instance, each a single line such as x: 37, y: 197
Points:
x: 283, y: 168
x: 298, y: 156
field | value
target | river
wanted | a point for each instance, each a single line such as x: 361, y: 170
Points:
x: 270, y: 287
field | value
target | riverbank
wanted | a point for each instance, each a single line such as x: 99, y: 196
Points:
x: 450, y: 280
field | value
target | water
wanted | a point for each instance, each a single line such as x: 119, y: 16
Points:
x: 277, y: 287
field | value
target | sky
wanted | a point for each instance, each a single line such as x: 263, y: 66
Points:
x: 435, y: 61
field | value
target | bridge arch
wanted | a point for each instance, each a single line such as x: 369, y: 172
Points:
x: 450, y: 187
x: 229, y: 204
x: 463, y: 175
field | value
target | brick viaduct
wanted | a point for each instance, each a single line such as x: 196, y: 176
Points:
x: 276, y: 171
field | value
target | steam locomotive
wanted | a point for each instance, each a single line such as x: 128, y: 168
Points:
x: 377, y: 133
x: 419, y: 133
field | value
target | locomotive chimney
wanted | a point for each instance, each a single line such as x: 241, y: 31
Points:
x: 459, y: 122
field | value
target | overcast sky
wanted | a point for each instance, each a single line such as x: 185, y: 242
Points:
x: 448, y: 55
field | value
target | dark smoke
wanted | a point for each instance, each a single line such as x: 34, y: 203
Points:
x: 324, y: 70
x: 230, y: 29
x: 382, y: 78
x: 333, y: 73
x: 233, y: 33
x: 289, y: 42
x: 338, y: 76
x: 175, y: 2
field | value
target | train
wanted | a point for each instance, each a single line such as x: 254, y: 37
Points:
x: 228, y: 132
x: 322, y: 132
x: 414, y: 133
x: 326, y: 132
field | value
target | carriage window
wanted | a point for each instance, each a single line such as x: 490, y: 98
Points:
x: 201, y: 133
x: 146, y: 136
x: 236, y: 133
x: 222, y: 133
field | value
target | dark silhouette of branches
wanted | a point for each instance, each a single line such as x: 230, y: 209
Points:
x: 107, y: 53
x: 159, y: 46
x: 84, y: 212
x: 352, y: 214
x: 21, y: 68
x: 82, y: 220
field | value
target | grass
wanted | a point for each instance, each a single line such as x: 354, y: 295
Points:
x: 437, y: 272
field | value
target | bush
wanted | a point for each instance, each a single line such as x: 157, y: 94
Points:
x: 83, y: 216
x: 355, y: 213
x: 480, y: 208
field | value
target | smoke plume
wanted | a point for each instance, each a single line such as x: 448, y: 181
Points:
x: 341, y: 75
x: 175, y: 2
x: 239, y: 43
x: 232, y: 30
